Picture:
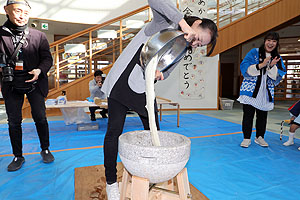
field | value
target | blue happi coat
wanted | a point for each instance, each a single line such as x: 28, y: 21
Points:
x: 251, y: 84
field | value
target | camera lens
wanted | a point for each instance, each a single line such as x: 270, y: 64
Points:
x: 8, y: 74
x: 7, y: 78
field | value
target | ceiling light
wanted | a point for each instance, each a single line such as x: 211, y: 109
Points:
x: 107, y: 34
x: 75, y: 48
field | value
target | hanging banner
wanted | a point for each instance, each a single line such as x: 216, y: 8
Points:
x: 194, y: 7
x: 192, y: 80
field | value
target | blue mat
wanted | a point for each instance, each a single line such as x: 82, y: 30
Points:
x: 218, y: 166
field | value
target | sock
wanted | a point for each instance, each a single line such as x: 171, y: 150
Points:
x: 291, y: 136
x: 291, y: 139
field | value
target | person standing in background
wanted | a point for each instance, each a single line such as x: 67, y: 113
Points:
x: 262, y: 69
x: 26, y: 59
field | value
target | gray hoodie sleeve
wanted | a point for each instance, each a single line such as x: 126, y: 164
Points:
x: 93, y: 87
x: 165, y: 14
x: 95, y: 90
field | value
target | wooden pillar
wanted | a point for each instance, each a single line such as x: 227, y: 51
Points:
x: 178, y: 114
x: 285, y: 81
x: 85, y: 66
x: 114, y: 51
x: 246, y: 7
x: 121, y: 36
x: 149, y: 14
x: 76, y: 71
x: 57, y: 67
x: 218, y: 13
x: 231, y: 12
x: 90, y: 51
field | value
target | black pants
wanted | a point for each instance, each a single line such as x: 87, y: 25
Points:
x: 13, y: 104
x: 103, y: 112
x: 116, y: 119
x: 261, y: 121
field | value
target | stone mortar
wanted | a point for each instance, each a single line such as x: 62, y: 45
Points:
x: 156, y: 163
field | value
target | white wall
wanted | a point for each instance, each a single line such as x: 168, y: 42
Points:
x: 170, y: 88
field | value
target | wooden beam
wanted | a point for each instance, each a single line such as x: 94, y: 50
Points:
x: 121, y: 36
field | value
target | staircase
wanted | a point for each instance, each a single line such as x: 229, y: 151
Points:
x: 74, y: 69
x: 257, y: 23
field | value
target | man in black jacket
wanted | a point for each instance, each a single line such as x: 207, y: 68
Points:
x: 24, y: 72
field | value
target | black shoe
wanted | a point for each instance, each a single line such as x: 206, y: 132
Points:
x: 103, y: 114
x: 93, y: 118
x: 47, y: 156
x: 15, y: 164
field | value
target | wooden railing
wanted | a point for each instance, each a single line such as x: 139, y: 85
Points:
x: 225, y: 12
x: 98, y: 52
x: 101, y: 53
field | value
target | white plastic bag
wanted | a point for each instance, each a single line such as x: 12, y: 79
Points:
x: 75, y: 116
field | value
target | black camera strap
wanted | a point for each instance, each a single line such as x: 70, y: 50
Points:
x: 20, y: 44
x: 18, y: 47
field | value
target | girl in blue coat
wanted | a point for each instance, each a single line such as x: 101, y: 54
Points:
x: 262, y: 69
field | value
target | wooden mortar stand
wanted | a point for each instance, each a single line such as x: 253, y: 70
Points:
x: 137, y: 188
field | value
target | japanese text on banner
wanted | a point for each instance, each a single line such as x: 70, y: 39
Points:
x: 192, y: 74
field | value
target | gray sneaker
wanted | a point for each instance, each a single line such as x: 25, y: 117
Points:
x: 260, y: 140
x: 245, y: 143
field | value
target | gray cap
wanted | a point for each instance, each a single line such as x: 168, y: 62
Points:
x: 25, y: 2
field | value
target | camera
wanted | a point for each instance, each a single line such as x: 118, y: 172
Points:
x: 7, y: 69
x: 34, y: 24
x: 103, y: 77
